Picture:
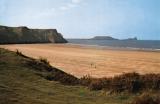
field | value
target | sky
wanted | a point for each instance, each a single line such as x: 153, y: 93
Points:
x: 86, y: 18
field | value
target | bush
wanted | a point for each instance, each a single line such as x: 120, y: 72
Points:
x: 130, y: 82
x: 44, y: 60
x: 146, y: 99
x: 86, y: 80
x: 126, y: 82
x: 96, y: 85
x: 20, y: 54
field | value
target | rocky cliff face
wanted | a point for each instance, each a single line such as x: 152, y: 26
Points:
x: 25, y: 35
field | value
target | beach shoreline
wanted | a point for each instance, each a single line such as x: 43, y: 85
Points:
x: 81, y: 60
x: 115, y: 48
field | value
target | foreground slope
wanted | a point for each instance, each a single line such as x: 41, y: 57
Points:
x: 26, y: 35
x: 24, y: 81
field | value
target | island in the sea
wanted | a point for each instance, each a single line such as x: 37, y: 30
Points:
x: 110, y: 38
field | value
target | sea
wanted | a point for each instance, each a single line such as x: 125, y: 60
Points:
x: 129, y: 44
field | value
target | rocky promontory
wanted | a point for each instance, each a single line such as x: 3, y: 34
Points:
x: 15, y: 35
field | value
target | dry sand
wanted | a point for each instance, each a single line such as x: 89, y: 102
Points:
x: 80, y: 60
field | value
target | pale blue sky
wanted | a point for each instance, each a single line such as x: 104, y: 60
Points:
x: 86, y: 18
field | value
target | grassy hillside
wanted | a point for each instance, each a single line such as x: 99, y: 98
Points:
x: 24, y: 80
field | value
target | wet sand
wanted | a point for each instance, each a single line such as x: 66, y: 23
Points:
x: 80, y: 60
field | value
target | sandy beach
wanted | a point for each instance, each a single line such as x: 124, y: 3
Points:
x: 80, y: 60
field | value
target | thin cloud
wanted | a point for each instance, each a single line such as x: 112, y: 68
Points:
x: 33, y: 16
x: 64, y: 8
x: 68, y: 6
x: 72, y: 4
x: 76, y: 1
x: 42, y: 14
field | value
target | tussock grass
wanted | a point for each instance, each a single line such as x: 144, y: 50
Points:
x: 146, y: 98
x: 19, y: 53
x: 127, y: 82
x: 44, y: 60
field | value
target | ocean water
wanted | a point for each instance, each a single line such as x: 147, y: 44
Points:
x: 138, y: 44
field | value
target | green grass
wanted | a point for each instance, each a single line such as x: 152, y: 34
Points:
x: 22, y: 83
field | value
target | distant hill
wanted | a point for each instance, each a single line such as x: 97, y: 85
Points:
x: 135, y: 38
x: 10, y: 35
x: 110, y: 38
x: 103, y: 38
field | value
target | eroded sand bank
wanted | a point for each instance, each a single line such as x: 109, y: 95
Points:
x: 80, y: 60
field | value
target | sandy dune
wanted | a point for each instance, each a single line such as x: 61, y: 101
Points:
x: 80, y: 60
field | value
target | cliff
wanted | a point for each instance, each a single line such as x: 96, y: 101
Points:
x: 15, y: 35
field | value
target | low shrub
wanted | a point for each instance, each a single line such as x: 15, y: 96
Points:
x: 130, y: 82
x: 146, y: 98
x: 44, y: 60
x: 20, y: 54
x: 96, y: 85
x: 86, y: 80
